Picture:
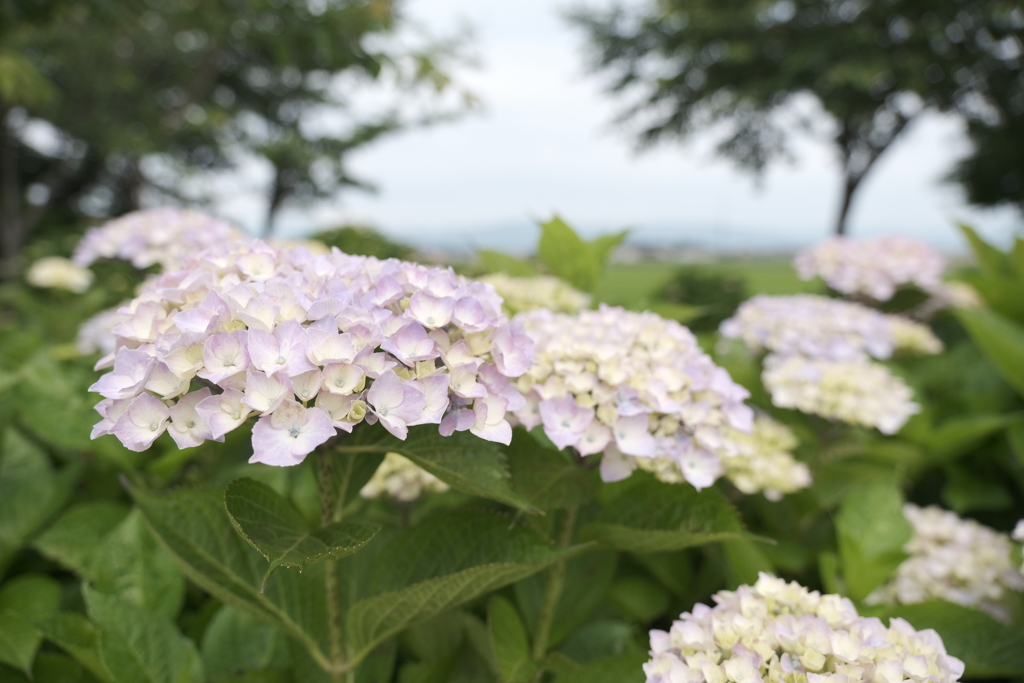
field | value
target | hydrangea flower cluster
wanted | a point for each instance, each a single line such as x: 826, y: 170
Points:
x: 872, y: 268
x: 856, y: 392
x: 401, y: 479
x: 953, y: 559
x: 821, y: 352
x: 310, y: 344
x: 166, y: 237
x: 775, y: 631
x: 543, y: 291
x: 633, y: 386
x: 763, y: 460
x: 57, y: 272
x: 823, y: 328
x: 97, y: 333
x: 758, y: 461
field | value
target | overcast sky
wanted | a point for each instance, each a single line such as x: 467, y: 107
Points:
x: 543, y: 143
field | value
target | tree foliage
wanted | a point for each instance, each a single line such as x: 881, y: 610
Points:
x: 741, y: 68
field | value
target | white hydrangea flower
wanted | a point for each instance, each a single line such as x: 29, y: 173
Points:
x: 97, y: 333
x: 953, y: 559
x: 872, y: 268
x: 401, y: 479
x: 763, y: 460
x: 857, y: 392
x: 958, y: 294
x: 912, y: 337
x: 633, y: 386
x: 166, y: 237
x: 778, y: 632
x: 820, y: 327
x: 542, y: 291
x: 57, y: 272
x: 309, y: 344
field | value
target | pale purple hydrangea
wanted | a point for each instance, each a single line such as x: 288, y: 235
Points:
x: 872, y: 268
x: 309, y: 345
x: 630, y: 385
x: 166, y: 237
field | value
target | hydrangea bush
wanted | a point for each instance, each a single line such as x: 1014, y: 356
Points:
x: 475, y: 498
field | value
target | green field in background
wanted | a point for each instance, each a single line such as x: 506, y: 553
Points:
x: 633, y: 284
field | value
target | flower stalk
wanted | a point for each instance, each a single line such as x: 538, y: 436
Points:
x: 553, y: 587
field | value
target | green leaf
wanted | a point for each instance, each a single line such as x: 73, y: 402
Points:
x: 989, y: 258
x: 497, y: 262
x: 602, y: 247
x: 30, y: 492
x: 744, y: 561
x: 79, y: 637
x: 234, y: 643
x: 509, y: 642
x: 871, y: 531
x: 965, y: 491
x: 25, y: 600
x: 548, y: 479
x: 139, y: 646
x: 72, y: 539
x: 1000, y: 339
x: 587, y: 580
x: 274, y: 527
x: 653, y: 517
x: 624, y: 668
x: 567, y: 256
x: 639, y: 599
x: 463, y: 461
x: 195, y: 528
x: 988, y: 648
x: 836, y: 480
x: 958, y: 436
x: 443, y: 562
x: 130, y: 564
x: 599, y: 639
x: 53, y: 404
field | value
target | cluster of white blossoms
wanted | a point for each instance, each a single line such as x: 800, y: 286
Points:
x: 856, y: 392
x: 872, y: 268
x: 542, y: 291
x: 57, y: 272
x: 166, y: 237
x: 779, y: 632
x: 633, y: 386
x: 953, y: 559
x: 97, y: 333
x: 763, y: 460
x: 401, y: 479
x: 821, y: 356
x: 828, y: 329
x: 309, y: 344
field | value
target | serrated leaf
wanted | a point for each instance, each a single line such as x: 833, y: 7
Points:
x: 443, y: 562
x: 72, y: 539
x: 275, y: 528
x: 25, y: 600
x: 463, y: 461
x: 235, y: 643
x: 871, y: 531
x: 139, y: 646
x: 30, y: 492
x: 77, y: 636
x: 548, y: 479
x: 567, y: 256
x: 1001, y: 341
x: 656, y: 517
x: 988, y: 648
x: 601, y: 247
x: 130, y: 564
x: 509, y: 642
x: 195, y: 528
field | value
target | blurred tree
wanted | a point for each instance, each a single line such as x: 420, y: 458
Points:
x: 739, y: 67
x: 993, y: 174
x: 103, y: 101
x: 365, y: 241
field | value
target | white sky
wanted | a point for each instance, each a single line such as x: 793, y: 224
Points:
x: 544, y: 144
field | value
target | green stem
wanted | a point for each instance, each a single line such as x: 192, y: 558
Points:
x: 335, y: 633
x: 553, y: 588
